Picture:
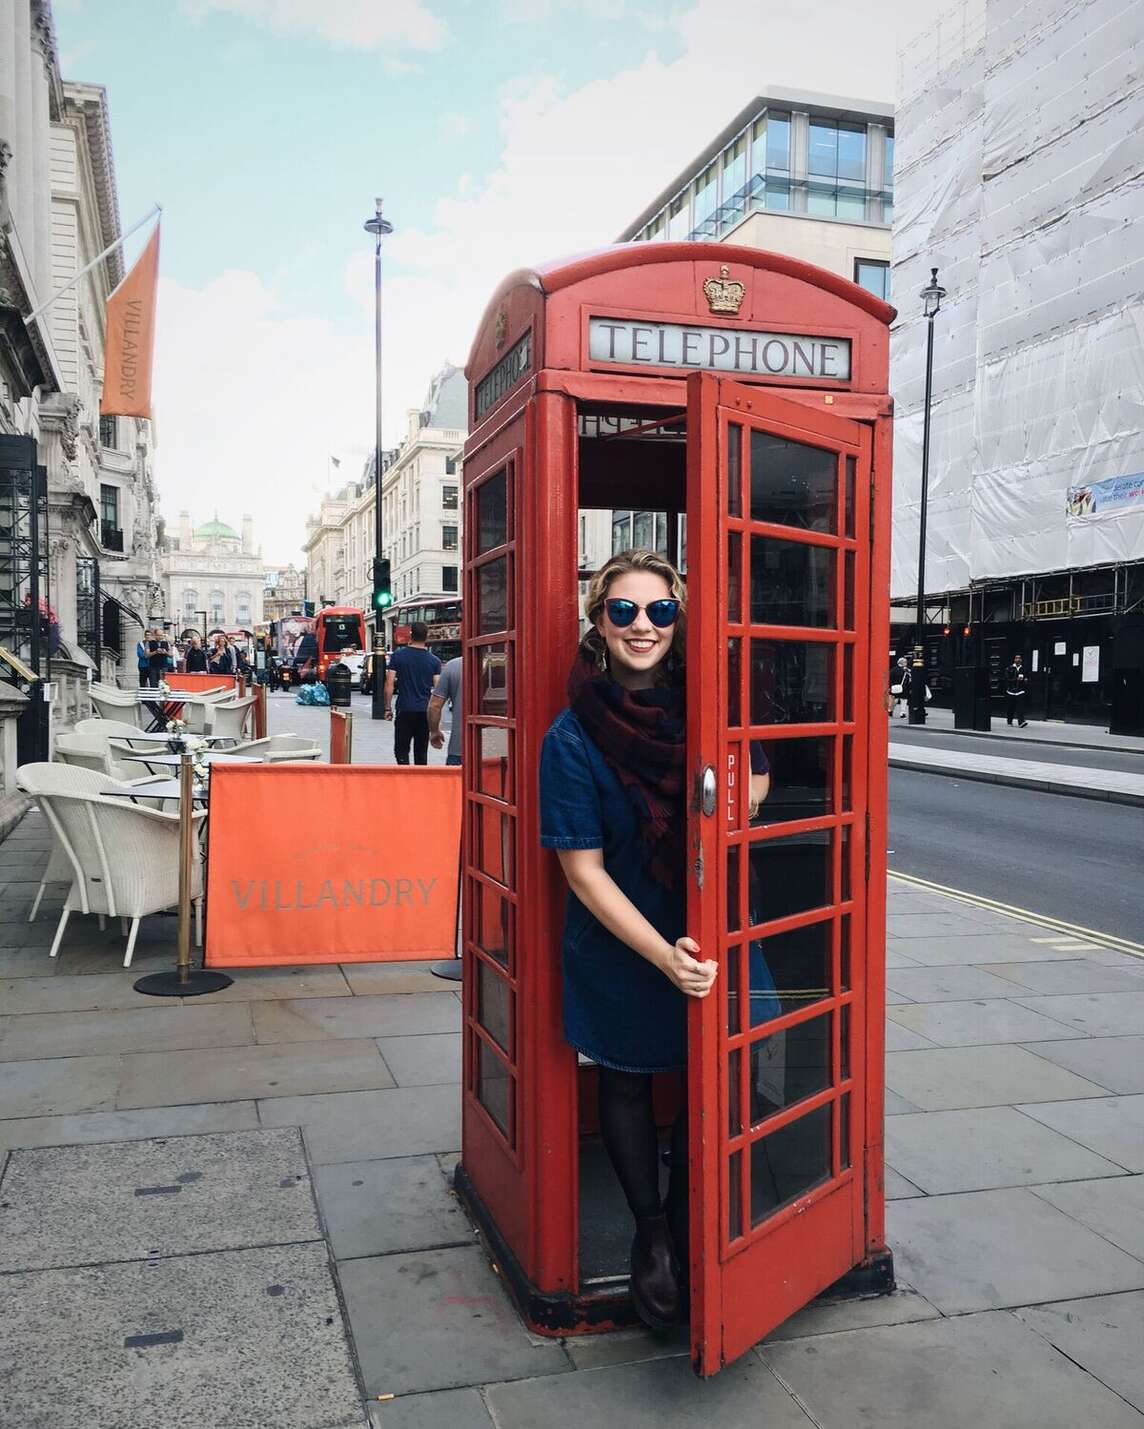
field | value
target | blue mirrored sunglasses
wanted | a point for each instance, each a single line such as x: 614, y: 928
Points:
x: 661, y: 613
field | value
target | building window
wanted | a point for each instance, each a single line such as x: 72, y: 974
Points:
x: 109, y: 433
x: 190, y: 605
x: 450, y: 466
x: 621, y: 531
x: 873, y: 275
x: 706, y: 200
x: 770, y: 163
x: 778, y: 142
x: 449, y: 498
x: 837, y: 168
x: 243, y: 604
x: 216, y: 607
x: 678, y: 218
x: 888, y: 166
x: 109, y: 506
x: 448, y: 538
x: 448, y: 578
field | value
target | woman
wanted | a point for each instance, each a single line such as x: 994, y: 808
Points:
x: 222, y: 657
x: 612, y: 782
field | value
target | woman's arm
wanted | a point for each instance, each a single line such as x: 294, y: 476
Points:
x: 595, y: 888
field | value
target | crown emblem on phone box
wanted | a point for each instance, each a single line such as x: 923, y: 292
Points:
x: 724, y: 293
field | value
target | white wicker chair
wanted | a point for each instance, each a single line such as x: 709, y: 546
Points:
x: 110, y: 703
x: 277, y: 747
x: 40, y: 779
x: 125, y: 861
x: 95, y: 751
x: 197, y: 712
x: 113, y: 729
x: 229, y: 717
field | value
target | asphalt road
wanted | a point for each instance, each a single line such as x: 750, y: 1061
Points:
x: 1074, y: 859
x: 1127, y: 762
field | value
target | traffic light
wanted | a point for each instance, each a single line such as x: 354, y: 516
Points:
x: 307, y: 607
x: 382, y: 591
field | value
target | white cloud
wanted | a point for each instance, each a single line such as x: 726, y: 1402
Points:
x: 576, y: 166
x: 250, y: 402
x: 253, y: 396
x: 358, y: 24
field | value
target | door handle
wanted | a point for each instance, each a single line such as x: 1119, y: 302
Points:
x: 707, y: 791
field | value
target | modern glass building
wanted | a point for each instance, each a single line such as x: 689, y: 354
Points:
x: 807, y: 174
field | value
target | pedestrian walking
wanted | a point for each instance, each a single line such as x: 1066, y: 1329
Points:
x: 143, y: 658
x: 1015, y: 692
x: 613, y: 778
x: 413, y: 671
x: 900, y: 686
x: 448, y: 692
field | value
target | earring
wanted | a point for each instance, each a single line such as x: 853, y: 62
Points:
x: 602, y: 659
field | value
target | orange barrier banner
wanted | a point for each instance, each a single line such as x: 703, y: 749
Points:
x: 341, y: 737
x: 328, y: 863
x: 198, y: 680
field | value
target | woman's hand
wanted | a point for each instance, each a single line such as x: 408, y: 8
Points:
x: 690, y: 976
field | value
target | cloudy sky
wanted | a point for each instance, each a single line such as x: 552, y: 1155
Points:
x: 499, y: 133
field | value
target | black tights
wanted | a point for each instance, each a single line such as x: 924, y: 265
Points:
x: 627, y: 1125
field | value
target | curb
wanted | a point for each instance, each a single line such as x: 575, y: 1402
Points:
x: 1027, y: 739
x: 1019, y: 781
x: 13, y: 807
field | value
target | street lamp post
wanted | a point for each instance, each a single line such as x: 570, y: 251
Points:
x: 931, y: 296
x: 379, y: 227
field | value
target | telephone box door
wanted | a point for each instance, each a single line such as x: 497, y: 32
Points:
x: 778, y: 582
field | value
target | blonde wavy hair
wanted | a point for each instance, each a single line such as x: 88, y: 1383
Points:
x: 621, y: 564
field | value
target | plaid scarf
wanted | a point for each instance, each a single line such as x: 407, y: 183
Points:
x: 642, y: 737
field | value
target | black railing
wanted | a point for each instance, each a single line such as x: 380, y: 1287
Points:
x: 113, y: 627
x: 110, y: 537
x: 88, y: 607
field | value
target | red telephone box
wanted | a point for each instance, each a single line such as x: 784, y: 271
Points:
x: 742, y: 396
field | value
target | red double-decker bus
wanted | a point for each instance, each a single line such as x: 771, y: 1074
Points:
x: 340, y: 632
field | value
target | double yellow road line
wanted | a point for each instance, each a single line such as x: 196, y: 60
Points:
x: 1025, y: 915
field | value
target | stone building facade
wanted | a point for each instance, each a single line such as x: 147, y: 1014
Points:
x: 421, y: 511
x: 59, y: 209
x: 283, y: 591
x: 214, y: 576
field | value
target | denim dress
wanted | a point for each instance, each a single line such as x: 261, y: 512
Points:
x: 619, y: 1010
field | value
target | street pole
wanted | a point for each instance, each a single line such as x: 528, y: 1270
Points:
x: 931, y: 295
x: 379, y: 227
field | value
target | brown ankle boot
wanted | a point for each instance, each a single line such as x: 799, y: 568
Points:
x: 655, y: 1275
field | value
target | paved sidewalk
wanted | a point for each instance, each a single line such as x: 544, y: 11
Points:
x: 372, y: 739
x: 234, y: 1212
x: 1075, y: 779
x: 1037, y: 731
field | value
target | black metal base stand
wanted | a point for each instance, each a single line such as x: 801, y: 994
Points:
x: 449, y: 969
x: 193, y: 984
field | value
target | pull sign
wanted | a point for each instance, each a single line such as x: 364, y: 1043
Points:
x: 707, y: 791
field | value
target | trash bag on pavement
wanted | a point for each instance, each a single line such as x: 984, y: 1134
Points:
x: 315, y: 694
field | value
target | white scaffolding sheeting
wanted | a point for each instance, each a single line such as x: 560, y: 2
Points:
x: 1020, y: 176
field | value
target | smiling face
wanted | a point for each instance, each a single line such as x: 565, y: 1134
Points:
x: 636, y: 651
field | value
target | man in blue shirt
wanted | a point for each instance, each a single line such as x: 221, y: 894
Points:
x: 414, y: 670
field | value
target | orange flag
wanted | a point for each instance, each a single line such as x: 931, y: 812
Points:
x: 131, y: 338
